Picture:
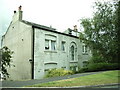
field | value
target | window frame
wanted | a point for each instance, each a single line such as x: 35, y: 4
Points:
x: 53, y: 48
x: 50, y: 45
x: 84, y: 49
x: 47, y: 48
x: 72, y: 52
x: 63, y: 46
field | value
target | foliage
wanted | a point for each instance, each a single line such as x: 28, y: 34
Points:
x: 101, y: 32
x: 85, y: 63
x: 91, y: 67
x: 117, y: 23
x: 101, y: 78
x: 5, y: 61
x: 58, y: 72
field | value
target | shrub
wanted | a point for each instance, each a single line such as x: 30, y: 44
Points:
x: 58, y: 72
x: 85, y: 63
x: 5, y: 61
x: 99, y: 67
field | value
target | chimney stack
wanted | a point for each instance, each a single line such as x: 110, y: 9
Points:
x: 17, y: 15
x: 75, y: 27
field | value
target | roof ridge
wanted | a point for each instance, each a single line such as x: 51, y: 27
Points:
x: 46, y: 28
x: 38, y: 25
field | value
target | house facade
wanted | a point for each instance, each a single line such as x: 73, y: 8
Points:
x: 38, y: 48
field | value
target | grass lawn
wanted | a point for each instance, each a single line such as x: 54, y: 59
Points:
x: 107, y: 77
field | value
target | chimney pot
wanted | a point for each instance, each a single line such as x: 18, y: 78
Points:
x: 75, y: 27
x: 14, y: 12
x: 20, y: 8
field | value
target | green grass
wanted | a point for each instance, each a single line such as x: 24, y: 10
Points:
x: 107, y: 77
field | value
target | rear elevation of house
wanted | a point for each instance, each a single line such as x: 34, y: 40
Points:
x: 39, y: 48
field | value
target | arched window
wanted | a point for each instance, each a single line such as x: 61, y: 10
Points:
x: 72, y: 52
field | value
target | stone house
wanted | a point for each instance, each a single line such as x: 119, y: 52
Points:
x: 38, y: 48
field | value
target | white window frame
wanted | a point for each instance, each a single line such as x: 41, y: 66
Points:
x: 53, y: 48
x: 84, y: 49
x: 48, y: 44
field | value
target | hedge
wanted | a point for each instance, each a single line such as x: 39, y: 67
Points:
x: 58, y: 72
x: 100, y: 67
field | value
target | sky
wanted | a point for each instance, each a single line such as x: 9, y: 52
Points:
x: 60, y: 14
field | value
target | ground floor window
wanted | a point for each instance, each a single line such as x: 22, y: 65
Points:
x: 72, y: 52
x: 73, y: 68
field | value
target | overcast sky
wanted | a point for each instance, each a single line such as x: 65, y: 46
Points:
x: 60, y: 14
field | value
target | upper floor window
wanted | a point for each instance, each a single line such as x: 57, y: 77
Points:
x: 53, y: 45
x: 50, y: 42
x: 63, y: 46
x: 84, y: 48
x: 50, y: 45
x: 47, y: 44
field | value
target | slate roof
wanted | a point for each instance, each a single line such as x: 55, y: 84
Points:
x: 38, y: 25
x: 46, y: 28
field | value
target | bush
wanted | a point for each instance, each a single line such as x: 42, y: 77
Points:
x: 85, y: 63
x: 99, y: 67
x: 58, y: 72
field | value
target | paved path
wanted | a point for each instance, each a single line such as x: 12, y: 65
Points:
x: 37, y: 81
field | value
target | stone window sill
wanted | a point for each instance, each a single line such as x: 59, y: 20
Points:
x: 73, y: 61
x: 50, y: 51
x: 84, y: 53
x: 63, y: 51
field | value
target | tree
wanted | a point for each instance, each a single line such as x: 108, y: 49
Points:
x: 117, y: 24
x: 101, y: 32
x: 5, y: 61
